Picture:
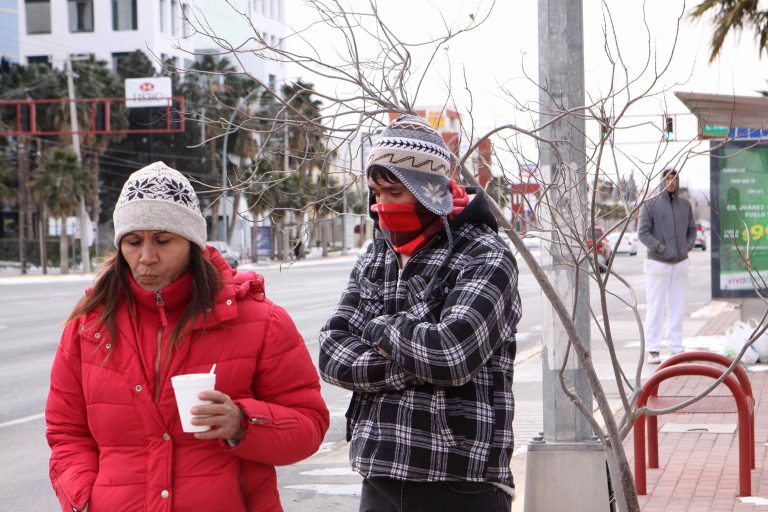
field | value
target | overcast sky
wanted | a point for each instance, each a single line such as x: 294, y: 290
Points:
x: 500, y: 59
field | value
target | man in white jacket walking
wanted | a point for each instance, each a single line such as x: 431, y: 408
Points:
x: 668, y: 230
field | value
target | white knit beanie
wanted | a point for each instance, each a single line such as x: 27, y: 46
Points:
x: 158, y: 198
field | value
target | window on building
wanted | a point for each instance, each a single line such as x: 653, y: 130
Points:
x: 272, y: 81
x: 186, y: 29
x: 162, y: 15
x: 119, y: 60
x: 175, y: 17
x: 38, y: 16
x: 80, y: 15
x: 124, y: 15
x: 39, y: 59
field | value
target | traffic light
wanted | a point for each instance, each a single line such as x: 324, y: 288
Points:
x: 605, y: 128
x: 669, y: 128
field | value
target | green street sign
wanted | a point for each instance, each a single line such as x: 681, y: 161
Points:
x: 711, y: 130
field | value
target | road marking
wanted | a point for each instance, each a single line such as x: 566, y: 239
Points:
x: 25, y: 419
x: 330, y: 472
x: 337, y: 489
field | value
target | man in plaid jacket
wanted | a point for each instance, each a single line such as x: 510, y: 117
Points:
x: 424, y: 337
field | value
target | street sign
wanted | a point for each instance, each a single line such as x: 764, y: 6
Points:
x: 147, y: 92
x: 710, y: 131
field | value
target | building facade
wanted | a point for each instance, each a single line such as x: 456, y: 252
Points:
x: 252, y: 26
x: 9, y: 31
x: 51, y: 30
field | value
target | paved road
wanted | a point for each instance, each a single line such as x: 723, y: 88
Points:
x: 32, y: 314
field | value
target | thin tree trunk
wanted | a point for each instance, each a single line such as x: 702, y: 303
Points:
x: 23, y: 202
x: 64, y: 248
x: 233, y: 217
x: 216, y: 175
x: 43, y: 242
x: 95, y: 202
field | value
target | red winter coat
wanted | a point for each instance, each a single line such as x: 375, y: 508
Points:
x: 113, y: 425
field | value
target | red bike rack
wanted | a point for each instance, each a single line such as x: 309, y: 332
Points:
x: 743, y: 409
x: 708, y: 404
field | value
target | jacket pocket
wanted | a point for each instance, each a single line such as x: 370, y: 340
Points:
x: 425, y: 299
x: 371, y: 297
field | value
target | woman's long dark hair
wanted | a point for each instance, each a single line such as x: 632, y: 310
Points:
x: 112, y: 286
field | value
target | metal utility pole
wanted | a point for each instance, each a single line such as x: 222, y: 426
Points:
x: 566, y: 465
x: 84, y: 251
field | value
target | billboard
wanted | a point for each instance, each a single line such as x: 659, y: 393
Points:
x: 739, y: 185
x: 147, y: 92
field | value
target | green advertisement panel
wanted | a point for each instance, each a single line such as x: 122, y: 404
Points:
x: 739, y: 181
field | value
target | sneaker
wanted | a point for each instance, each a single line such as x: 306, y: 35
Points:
x: 653, y: 358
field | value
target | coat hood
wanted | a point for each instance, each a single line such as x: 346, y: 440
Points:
x: 662, y: 190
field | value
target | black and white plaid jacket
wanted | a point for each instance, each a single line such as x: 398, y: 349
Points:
x: 439, y: 406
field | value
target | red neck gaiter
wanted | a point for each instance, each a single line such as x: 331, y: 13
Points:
x: 409, y: 227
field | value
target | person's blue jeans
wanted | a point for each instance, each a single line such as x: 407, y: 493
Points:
x: 388, y: 495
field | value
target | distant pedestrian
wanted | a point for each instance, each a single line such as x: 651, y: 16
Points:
x: 297, y: 249
x: 668, y: 230
x: 424, y: 337
x: 164, y: 305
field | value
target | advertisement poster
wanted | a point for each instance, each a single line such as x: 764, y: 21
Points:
x: 264, y: 241
x: 739, y: 219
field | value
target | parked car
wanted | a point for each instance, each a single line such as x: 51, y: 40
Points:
x: 701, y: 237
x: 603, y: 248
x: 627, y: 245
x: 230, y: 255
x: 532, y: 239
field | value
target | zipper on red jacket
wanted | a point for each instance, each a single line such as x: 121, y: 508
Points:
x: 163, y: 322
x: 161, y: 307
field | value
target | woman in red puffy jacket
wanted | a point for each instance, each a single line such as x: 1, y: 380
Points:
x: 166, y: 305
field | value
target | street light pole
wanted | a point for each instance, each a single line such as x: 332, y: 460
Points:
x: 566, y: 465
x: 84, y: 251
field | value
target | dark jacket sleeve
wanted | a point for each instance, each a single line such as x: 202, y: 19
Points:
x: 346, y: 359
x: 482, y: 309
x: 645, y: 229
x: 288, y: 417
x: 74, y: 454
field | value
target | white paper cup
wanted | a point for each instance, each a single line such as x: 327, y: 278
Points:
x: 186, y: 388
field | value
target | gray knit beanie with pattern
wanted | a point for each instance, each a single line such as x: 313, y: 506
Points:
x: 158, y: 198
x: 414, y: 152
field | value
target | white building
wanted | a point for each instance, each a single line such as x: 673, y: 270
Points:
x: 248, y: 27
x: 51, y: 30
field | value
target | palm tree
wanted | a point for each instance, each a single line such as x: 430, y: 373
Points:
x: 734, y: 15
x: 58, y: 183
x: 305, y: 135
x: 20, y: 83
x: 210, y: 87
x: 96, y: 80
